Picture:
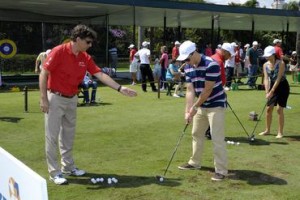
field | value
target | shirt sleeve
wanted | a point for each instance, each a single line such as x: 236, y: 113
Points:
x: 212, y: 72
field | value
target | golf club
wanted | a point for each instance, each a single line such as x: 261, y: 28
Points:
x: 252, y: 134
x: 161, y: 178
x: 238, y: 119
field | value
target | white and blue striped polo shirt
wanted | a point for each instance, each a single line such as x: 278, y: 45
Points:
x: 207, y: 70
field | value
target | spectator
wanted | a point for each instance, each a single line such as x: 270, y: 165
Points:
x: 229, y: 68
x: 277, y: 89
x: 164, y: 62
x: 133, y: 67
x: 175, y: 50
x: 146, y: 71
x: 157, y: 70
x: 205, y: 105
x: 86, y: 84
x: 40, y: 61
x: 173, y: 74
x: 278, y: 49
x: 224, y: 53
x: 252, y: 57
x: 294, y: 66
x: 113, y: 52
x: 208, y: 50
x: 62, y: 72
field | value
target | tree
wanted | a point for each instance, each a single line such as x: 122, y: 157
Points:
x: 292, y: 5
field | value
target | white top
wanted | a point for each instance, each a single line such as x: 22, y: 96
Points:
x: 144, y: 54
x: 230, y: 62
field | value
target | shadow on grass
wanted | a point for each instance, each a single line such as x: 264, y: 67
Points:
x: 255, y: 177
x: 93, y: 105
x: 256, y: 142
x: 293, y: 137
x: 11, y: 119
x: 123, y: 181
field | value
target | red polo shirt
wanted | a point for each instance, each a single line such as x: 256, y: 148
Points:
x: 67, y: 70
x: 175, y: 52
x: 220, y: 60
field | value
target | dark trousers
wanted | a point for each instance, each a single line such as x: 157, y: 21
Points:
x: 229, y: 75
x: 146, y: 71
x: 86, y: 87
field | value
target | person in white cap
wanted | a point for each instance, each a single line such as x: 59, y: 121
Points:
x: 133, y: 67
x: 278, y: 49
x: 175, y: 50
x: 229, y: 67
x: 252, y: 56
x: 146, y: 71
x: 40, y: 61
x: 205, y: 106
x: 294, y: 66
x: 277, y: 89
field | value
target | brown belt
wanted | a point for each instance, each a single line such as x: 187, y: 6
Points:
x: 61, y: 94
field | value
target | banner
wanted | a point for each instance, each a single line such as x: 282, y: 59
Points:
x: 19, y: 182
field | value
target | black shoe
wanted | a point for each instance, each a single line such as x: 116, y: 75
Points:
x: 154, y: 90
x: 188, y: 166
x: 208, y: 136
x: 145, y: 90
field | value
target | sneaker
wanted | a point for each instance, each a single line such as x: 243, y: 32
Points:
x: 188, y: 166
x: 133, y: 83
x: 75, y: 172
x: 217, y: 177
x: 181, y: 95
x: 176, y: 95
x: 59, y: 179
x: 227, y: 88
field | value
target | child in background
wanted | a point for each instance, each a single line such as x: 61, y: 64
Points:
x: 173, y: 74
x: 156, y: 70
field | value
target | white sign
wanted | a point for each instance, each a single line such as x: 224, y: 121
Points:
x: 19, y: 182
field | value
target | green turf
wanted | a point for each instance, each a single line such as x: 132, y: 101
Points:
x: 132, y: 139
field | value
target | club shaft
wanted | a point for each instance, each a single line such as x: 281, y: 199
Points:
x: 238, y: 119
x: 259, y: 119
x: 178, y: 142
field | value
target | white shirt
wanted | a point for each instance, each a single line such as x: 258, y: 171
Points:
x: 230, y: 62
x: 144, y: 54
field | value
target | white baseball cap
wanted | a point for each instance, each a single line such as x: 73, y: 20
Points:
x: 234, y: 44
x: 255, y: 43
x: 186, y: 49
x: 145, y: 43
x: 177, y: 43
x: 228, y: 47
x: 131, y: 46
x: 247, y: 45
x: 269, y: 51
x: 294, y: 52
x: 276, y: 41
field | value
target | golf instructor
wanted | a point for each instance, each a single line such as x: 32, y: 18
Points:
x: 205, y: 105
x: 61, y: 74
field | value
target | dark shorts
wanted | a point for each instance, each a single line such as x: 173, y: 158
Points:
x: 281, y: 94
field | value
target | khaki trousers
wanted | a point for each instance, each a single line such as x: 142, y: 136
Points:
x: 215, y: 118
x: 60, y: 123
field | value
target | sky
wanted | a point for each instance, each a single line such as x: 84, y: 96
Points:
x: 262, y: 3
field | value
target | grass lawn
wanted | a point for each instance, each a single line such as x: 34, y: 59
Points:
x: 132, y: 139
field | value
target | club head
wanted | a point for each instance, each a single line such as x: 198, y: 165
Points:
x: 159, y: 178
x: 252, y: 138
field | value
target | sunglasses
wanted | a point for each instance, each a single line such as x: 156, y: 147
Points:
x: 88, y: 41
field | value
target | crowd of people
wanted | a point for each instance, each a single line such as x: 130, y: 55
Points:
x: 206, y: 77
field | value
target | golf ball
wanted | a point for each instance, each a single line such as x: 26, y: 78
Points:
x: 238, y: 143
x: 228, y: 142
x: 109, y: 181
x: 161, y: 179
x: 114, y: 180
x: 93, y: 180
x: 101, y: 180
